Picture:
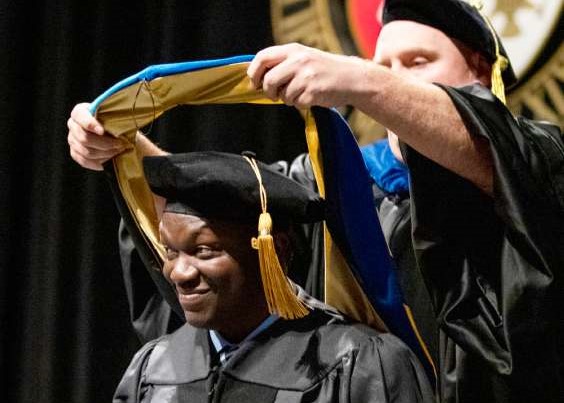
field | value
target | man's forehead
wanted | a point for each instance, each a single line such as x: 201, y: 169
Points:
x: 172, y: 216
x: 196, y: 224
x: 172, y: 221
x: 403, y: 36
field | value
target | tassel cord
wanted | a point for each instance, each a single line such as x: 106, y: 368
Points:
x: 278, y: 291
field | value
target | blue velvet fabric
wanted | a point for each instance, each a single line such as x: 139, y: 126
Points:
x: 353, y: 222
x: 167, y: 69
x: 389, y: 174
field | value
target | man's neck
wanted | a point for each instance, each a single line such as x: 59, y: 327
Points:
x: 226, y: 338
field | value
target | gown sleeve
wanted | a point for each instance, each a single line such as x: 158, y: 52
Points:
x: 494, y: 265
x: 132, y: 387
x: 385, y: 370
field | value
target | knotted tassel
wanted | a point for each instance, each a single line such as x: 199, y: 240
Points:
x: 501, y: 62
x: 279, y: 294
x: 498, y: 88
x: 278, y: 291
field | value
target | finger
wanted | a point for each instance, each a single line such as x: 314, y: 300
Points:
x: 305, y: 100
x: 81, y: 115
x: 90, y: 140
x: 95, y: 165
x: 92, y: 153
x: 265, y: 60
x: 284, y: 74
x: 290, y: 92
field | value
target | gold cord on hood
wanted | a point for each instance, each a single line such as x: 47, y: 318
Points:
x: 501, y: 62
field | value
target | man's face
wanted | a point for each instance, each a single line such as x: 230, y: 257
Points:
x: 424, y: 53
x: 215, y: 272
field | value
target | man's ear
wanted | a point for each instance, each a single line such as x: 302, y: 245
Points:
x: 482, y: 68
x: 393, y: 141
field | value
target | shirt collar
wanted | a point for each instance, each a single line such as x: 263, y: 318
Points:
x: 221, y: 344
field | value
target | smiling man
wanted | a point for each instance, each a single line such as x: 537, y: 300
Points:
x: 246, y: 340
x: 212, y: 286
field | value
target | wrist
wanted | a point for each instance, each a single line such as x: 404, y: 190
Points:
x: 366, y: 84
x: 146, y: 147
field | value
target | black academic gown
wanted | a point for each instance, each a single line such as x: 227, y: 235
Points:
x: 319, y: 358
x: 395, y: 219
x: 494, y: 266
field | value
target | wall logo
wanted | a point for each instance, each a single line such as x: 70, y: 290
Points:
x: 531, y: 31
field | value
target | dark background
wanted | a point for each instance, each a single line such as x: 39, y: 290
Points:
x: 65, y: 332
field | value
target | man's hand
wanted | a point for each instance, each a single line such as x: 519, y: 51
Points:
x: 89, y: 146
x: 304, y: 77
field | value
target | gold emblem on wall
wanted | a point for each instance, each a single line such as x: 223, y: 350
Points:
x: 509, y: 8
x: 531, y: 31
x: 541, y: 96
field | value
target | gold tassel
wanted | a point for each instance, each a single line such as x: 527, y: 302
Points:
x: 498, y: 88
x: 278, y: 291
x: 501, y: 63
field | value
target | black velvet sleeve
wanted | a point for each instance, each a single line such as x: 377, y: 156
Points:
x: 494, y: 265
x: 132, y: 388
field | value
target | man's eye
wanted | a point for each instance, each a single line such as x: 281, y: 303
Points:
x: 419, y: 61
x: 205, y: 252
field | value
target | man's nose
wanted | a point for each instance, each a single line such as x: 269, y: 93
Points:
x: 184, y: 270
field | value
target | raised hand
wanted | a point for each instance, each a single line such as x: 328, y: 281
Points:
x: 89, y: 145
x: 303, y: 76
